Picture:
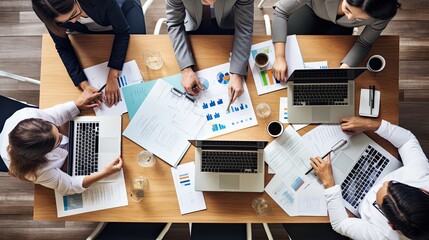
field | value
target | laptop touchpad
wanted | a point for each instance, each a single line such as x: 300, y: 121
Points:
x: 109, y: 145
x: 321, y: 114
x: 343, y: 163
x: 229, y: 182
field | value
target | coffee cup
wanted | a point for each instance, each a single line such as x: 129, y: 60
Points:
x: 262, y: 59
x: 275, y: 128
x: 376, y: 63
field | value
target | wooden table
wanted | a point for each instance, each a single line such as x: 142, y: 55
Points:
x: 160, y: 202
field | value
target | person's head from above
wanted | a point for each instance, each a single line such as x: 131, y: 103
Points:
x: 29, y: 142
x: 208, y: 2
x: 55, y: 12
x: 361, y: 10
x: 406, y: 208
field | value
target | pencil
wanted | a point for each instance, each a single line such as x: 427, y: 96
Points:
x: 230, y: 100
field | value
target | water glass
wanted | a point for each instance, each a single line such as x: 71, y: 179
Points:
x: 153, y: 59
x: 138, y: 186
x: 145, y: 159
x: 261, y: 206
x: 263, y: 110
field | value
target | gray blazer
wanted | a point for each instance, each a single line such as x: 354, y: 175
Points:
x: 186, y: 15
x: 327, y: 9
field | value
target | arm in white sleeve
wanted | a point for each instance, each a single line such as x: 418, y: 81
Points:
x: 60, y: 181
x: 61, y: 113
x: 354, y: 228
x: 408, y: 146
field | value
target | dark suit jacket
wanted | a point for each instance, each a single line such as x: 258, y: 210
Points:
x: 105, y: 13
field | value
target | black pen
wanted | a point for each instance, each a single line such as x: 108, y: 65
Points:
x: 230, y: 100
x: 335, y: 147
x: 373, y: 98
x: 101, y: 89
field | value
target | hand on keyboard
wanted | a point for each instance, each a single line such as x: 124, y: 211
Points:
x: 323, y: 170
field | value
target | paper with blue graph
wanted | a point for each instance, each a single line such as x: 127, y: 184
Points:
x: 184, y: 182
x: 214, y: 102
x: 97, y: 76
x: 264, y: 78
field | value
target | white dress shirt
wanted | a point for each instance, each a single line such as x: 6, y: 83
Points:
x: 373, y: 224
x: 50, y: 175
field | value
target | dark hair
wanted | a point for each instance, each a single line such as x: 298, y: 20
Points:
x: 48, y: 10
x: 407, y: 208
x: 29, y: 142
x: 379, y: 9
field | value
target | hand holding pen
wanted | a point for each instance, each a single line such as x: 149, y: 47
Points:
x: 235, y: 87
x: 333, y: 148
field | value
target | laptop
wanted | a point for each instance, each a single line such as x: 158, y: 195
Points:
x: 321, y: 95
x: 357, y: 166
x: 94, y: 142
x: 230, y: 166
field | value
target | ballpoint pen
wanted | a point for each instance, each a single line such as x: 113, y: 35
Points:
x: 370, y: 99
x: 230, y: 100
x: 101, y: 89
x: 373, y: 97
x: 337, y: 145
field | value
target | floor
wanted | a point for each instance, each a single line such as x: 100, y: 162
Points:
x: 20, y: 49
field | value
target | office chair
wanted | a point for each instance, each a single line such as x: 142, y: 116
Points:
x: 8, y: 107
x: 322, y: 231
x: 225, y: 231
x: 261, y: 2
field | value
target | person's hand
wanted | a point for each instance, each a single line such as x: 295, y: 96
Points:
x: 356, y: 125
x: 235, y: 83
x: 114, y: 166
x: 323, y: 170
x: 112, y: 93
x: 88, y: 99
x: 280, y: 68
x: 190, y: 82
x: 344, y: 65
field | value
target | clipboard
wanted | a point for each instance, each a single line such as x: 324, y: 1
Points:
x: 365, y: 105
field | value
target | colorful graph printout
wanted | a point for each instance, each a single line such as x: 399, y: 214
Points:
x: 214, y: 102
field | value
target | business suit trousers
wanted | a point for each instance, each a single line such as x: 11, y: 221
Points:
x: 305, y: 22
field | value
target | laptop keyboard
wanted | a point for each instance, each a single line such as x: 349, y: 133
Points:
x: 237, y: 162
x: 327, y: 94
x: 363, y: 176
x: 87, y: 136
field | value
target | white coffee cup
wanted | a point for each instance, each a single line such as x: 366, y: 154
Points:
x: 275, y: 128
x: 376, y: 63
x: 262, y: 59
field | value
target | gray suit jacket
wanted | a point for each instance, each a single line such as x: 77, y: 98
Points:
x: 230, y: 14
x: 327, y: 9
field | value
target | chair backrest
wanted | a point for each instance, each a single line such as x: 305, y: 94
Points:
x: 8, y: 107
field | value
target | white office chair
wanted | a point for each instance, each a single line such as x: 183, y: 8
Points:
x: 158, y: 25
x: 19, y: 78
x: 260, y: 4
x: 267, y: 22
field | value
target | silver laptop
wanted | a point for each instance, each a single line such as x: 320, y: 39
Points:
x: 232, y: 166
x: 94, y: 142
x: 321, y: 95
x: 358, y: 166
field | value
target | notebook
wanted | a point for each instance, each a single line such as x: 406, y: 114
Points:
x: 321, y: 95
x: 231, y: 166
x: 358, y: 166
x: 94, y: 142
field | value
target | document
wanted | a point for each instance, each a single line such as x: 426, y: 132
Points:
x: 101, y: 195
x: 184, y: 182
x: 283, y: 114
x: 264, y: 78
x: 97, y: 76
x: 323, y: 137
x: 316, y: 65
x: 213, y: 102
x: 165, y: 122
x: 297, y: 197
x: 135, y: 94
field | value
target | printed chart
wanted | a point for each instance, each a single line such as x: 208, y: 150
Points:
x: 214, y: 102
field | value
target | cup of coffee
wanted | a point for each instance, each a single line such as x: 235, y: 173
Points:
x: 376, y: 63
x: 275, y: 128
x: 262, y: 59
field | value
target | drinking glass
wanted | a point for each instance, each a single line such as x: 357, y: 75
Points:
x: 138, y: 186
x: 263, y: 110
x: 145, y: 159
x: 261, y: 206
x: 153, y: 59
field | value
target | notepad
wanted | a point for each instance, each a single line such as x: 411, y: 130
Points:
x: 365, y: 106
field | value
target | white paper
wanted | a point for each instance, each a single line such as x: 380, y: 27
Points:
x: 101, y: 195
x: 323, y: 137
x: 296, y: 196
x: 213, y: 102
x: 97, y: 76
x: 184, y: 182
x: 164, y: 123
x: 316, y: 65
x: 264, y: 78
x: 283, y: 113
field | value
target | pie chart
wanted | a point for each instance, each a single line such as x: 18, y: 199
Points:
x: 223, y: 78
x: 205, y: 83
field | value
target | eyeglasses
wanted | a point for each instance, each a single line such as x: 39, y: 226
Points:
x: 374, y: 204
x: 77, y: 14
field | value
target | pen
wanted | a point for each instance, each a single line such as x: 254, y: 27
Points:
x: 337, y: 145
x: 230, y: 100
x: 373, y: 98
x: 101, y: 89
